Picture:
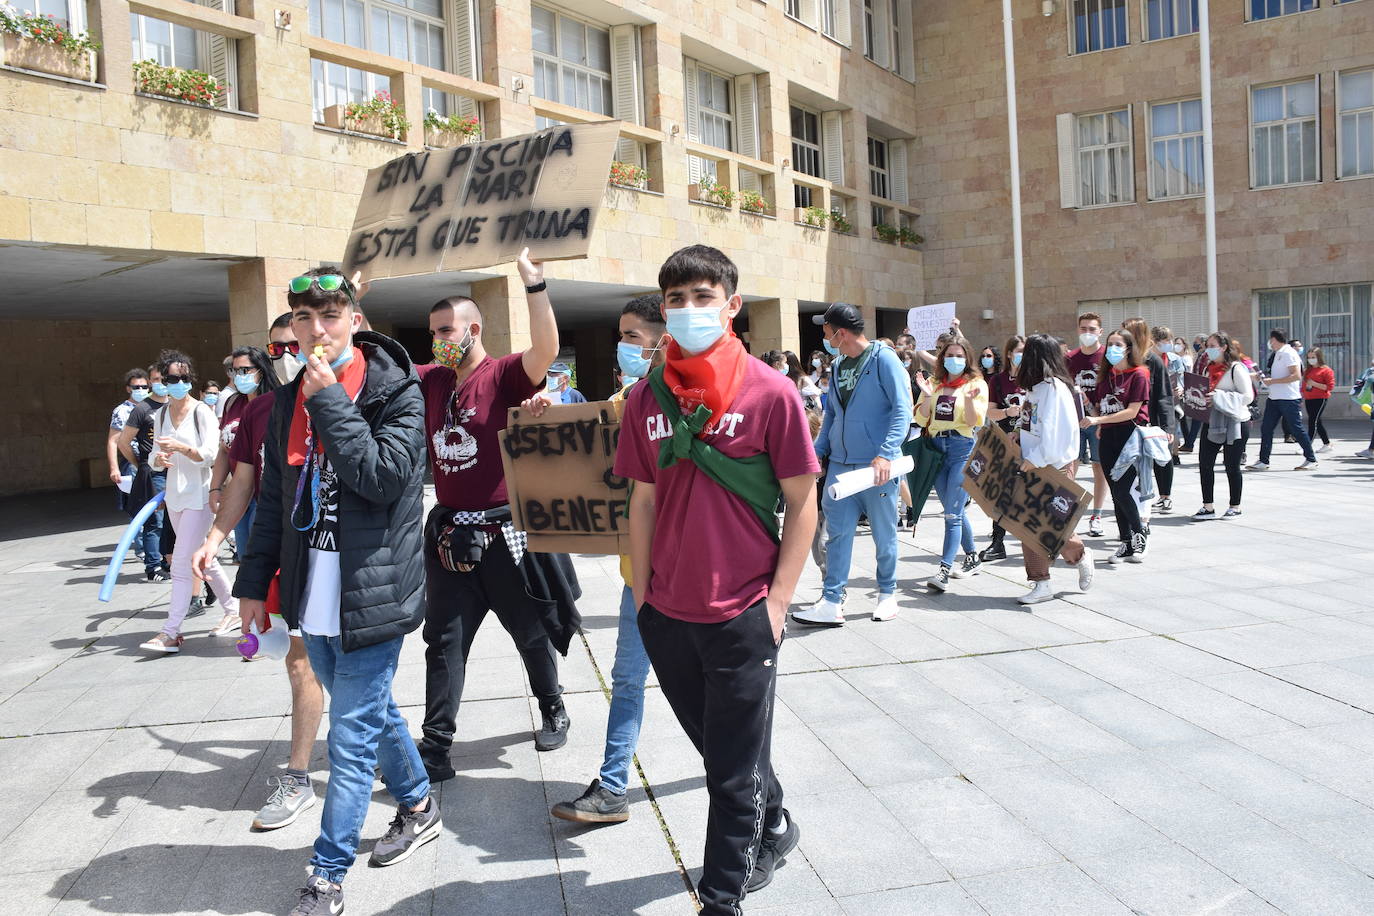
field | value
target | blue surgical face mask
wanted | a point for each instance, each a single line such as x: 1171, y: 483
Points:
x: 178, y: 390
x: 782, y: 369
x: 1016, y: 360
x: 246, y: 384
x: 139, y: 394
x: 553, y: 382
x: 632, y: 360
x: 1115, y: 354
x: 955, y: 365
x: 829, y: 347
x: 816, y: 363
x: 344, y: 357
x: 1166, y: 347
x: 695, y: 328
x: 1214, y: 354
x: 159, y: 389
x: 212, y: 399
x: 988, y: 362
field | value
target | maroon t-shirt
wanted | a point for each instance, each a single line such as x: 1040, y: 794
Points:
x: 712, y: 558
x: 229, y: 420
x: 463, y: 429
x: 246, y: 447
x: 1083, y: 371
x: 1003, y: 392
x: 1120, y: 389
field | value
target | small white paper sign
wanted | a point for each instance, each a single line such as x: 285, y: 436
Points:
x: 928, y: 322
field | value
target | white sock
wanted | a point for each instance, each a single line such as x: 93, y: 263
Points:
x: 781, y: 828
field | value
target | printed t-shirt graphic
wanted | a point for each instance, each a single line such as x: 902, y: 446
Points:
x: 1124, y: 388
x: 944, y: 406
x: 1083, y: 371
x: 325, y: 534
x: 463, y: 428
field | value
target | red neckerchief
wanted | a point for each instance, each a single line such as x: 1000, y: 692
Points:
x: 351, y: 376
x: 1215, y: 371
x: 955, y: 383
x: 711, y: 377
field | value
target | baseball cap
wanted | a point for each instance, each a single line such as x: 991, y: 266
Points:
x: 843, y: 316
x: 560, y: 369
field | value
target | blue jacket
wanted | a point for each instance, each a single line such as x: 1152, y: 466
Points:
x: 876, y: 422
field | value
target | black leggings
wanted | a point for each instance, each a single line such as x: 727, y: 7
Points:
x: 1112, y: 439
x: 1231, y: 458
x: 1164, y: 479
x: 1315, y: 408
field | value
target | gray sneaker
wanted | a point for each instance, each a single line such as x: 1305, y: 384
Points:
x: 319, y: 897
x: 409, y: 831
x: 597, y: 805
x: 196, y: 608
x: 290, y: 797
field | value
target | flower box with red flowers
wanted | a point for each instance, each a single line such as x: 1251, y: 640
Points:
x: 194, y: 86
x: 41, y: 43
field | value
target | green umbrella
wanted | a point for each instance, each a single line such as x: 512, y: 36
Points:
x: 921, y: 478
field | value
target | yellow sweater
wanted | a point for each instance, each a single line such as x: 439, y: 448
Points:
x: 944, y: 408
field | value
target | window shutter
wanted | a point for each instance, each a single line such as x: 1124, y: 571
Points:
x: 882, y: 33
x: 1065, y: 125
x: 843, y: 27
x: 218, y: 55
x: 832, y: 146
x: 896, y: 153
x: 806, y: 10
x: 747, y: 127
x: 627, y: 96
x: 464, y: 51
x: 906, y: 53
x: 689, y: 94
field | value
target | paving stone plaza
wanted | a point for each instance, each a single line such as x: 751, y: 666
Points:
x: 1192, y: 736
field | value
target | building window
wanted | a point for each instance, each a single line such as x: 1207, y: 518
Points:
x: 412, y: 30
x: 828, y: 17
x: 1105, y: 175
x: 879, y: 181
x: 1176, y: 149
x: 894, y: 21
x: 1283, y: 121
x: 792, y: 8
x: 715, y: 117
x: 1169, y: 18
x: 1355, y: 140
x: 882, y: 215
x: 572, y: 61
x: 868, y: 29
x: 806, y: 151
x: 1336, y: 318
x: 166, y: 43
x: 1269, y: 9
x: 71, y: 17
x: 1098, y: 25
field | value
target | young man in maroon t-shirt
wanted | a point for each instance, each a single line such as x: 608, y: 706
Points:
x: 1083, y: 364
x: 712, y: 578
x: 475, y: 560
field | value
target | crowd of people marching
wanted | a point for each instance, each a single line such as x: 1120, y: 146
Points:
x: 311, y: 463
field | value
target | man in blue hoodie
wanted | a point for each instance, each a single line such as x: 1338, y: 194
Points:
x: 867, y: 417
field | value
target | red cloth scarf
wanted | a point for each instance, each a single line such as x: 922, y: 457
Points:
x: 351, y: 376
x: 712, y: 377
x: 1215, y: 371
x: 955, y: 382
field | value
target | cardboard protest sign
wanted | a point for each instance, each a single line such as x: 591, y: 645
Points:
x: 1196, y: 404
x: 927, y: 322
x: 1041, y: 506
x: 479, y: 204
x: 559, y: 482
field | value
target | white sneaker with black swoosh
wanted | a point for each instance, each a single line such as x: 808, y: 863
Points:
x: 409, y: 831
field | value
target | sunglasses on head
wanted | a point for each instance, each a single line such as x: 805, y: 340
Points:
x: 175, y: 379
x: 277, y: 350
x: 329, y: 283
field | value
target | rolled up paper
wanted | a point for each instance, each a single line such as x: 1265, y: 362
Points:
x: 860, y: 479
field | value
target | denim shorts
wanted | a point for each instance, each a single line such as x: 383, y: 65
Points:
x: 1087, y: 446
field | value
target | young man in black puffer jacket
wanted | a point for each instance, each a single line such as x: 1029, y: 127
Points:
x: 339, y: 520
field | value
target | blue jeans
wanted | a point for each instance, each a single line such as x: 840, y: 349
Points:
x: 841, y: 524
x: 365, y: 730
x: 628, y: 674
x: 1290, y: 411
x: 949, y: 483
x: 242, y: 529
x: 151, y: 535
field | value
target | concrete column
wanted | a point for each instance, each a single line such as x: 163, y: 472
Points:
x: 110, y: 23
x: 507, y: 61
x: 505, y: 316
x: 773, y: 326
x: 664, y: 92
x: 257, y: 295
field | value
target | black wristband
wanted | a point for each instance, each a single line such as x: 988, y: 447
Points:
x: 537, y: 288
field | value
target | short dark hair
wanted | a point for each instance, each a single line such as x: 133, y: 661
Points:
x: 316, y: 298
x: 133, y: 374
x: 168, y: 358
x: 646, y: 308
x: 261, y: 362
x: 1279, y: 334
x: 452, y: 302
x: 281, y: 321
x: 699, y: 262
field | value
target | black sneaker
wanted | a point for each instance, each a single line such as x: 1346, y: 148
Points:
x: 157, y: 575
x: 940, y: 581
x: 969, y: 567
x: 409, y: 831
x: 1165, y: 504
x: 437, y: 764
x: 597, y: 805
x: 554, y: 734
x: 196, y: 608
x: 1139, y: 543
x: 1122, y: 555
x: 773, y: 850
x: 319, y: 897
x: 997, y: 551
x: 1204, y: 514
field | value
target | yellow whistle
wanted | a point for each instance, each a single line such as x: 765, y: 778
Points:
x: 319, y: 350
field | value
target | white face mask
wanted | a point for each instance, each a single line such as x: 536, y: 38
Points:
x: 1089, y: 340
x: 288, y: 367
